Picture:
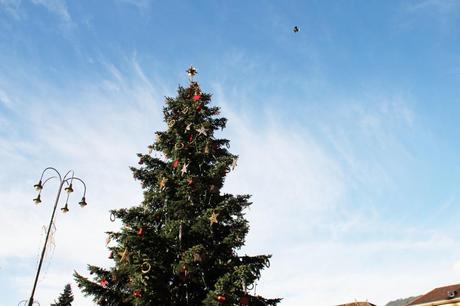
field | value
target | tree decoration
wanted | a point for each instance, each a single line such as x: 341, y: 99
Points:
x: 191, y: 72
x: 213, y: 218
x: 111, y: 255
x: 124, y: 256
x: 202, y: 131
x: 234, y: 163
x: 184, y: 169
x: 175, y: 163
x: 179, y: 145
x: 163, y: 182
x: 103, y: 283
x: 137, y: 293
x: 145, y: 267
x: 165, y: 252
x: 244, y: 300
x: 171, y: 123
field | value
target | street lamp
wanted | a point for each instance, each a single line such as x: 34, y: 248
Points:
x: 66, y: 181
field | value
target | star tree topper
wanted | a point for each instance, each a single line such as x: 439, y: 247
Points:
x: 191, y: 73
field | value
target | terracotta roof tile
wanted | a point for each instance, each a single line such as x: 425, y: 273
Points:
x: 438, y: 294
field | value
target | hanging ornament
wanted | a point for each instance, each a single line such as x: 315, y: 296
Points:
x: 171, y: 123
x: 103, y: 283
x: 163, y: 182
x: 185, y: 110
x: 196, y: 97
x: 197, y: 257
x: 140, y: 231
x: 202, y: 131
x: 157, y: 138
x: 184, y: 169
x: 111, y: 255
x: 213, y: 218
x: 137, y: 293
x: 150, y: 149
x: 183, y: 272
x: 199, y: 106
x: 190, y: 181
x: 234, y: 162
x: 190, y: 138
x: 179, y: 145
x: 112, y: 217
x: 244, y: 300
x: 206, y: 149
x: 187, y: 128
x: 145, y: 267
x: 180, y: 232
x: 175, y: 163
x: 221, y: 298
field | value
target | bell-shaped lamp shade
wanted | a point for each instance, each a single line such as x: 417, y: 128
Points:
x: 65, y: 209
x: 37, y: 200
x: 38, y: 186
x: 83, y: 203
x: 69, y: 189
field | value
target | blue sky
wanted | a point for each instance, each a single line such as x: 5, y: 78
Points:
x: 346, y: 131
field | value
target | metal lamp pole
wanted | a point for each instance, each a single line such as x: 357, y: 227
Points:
x: 66, y: 181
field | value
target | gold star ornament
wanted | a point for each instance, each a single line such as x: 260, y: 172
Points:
x: 163, y: 183
x: 213, y: 218
x: 124, y: 255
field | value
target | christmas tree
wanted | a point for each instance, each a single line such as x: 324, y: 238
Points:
x: 66, y: 297
x: 178, y: 247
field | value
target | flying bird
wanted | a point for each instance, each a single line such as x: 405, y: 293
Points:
x: 295, y: 29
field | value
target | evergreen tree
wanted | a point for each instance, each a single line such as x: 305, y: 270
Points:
x: 178, y: 247
x: 66, y: 297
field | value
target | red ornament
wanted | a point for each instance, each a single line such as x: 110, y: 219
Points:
x: 175, y: 163
x: 137, y: 293
x: 221, y: 298
x: 199, y: 107
x: 140, y: 231
x: 196, y: 97
x: 190, y: 138
x: 103, y: 283
x: 244, y: 300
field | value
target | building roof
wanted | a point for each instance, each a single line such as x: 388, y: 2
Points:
x: 357, y: 304
x: 438, y: 294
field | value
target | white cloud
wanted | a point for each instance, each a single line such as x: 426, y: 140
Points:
x: 327, y: 249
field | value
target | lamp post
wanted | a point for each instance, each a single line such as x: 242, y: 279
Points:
x: 65, y: 182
